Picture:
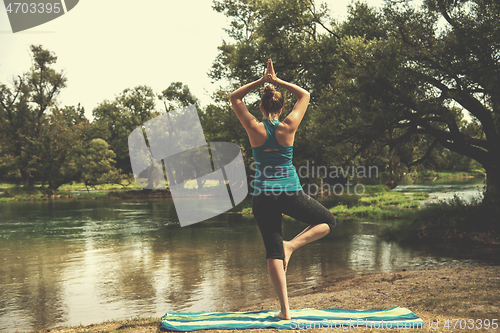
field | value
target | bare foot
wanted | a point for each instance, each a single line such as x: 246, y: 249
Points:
x: 287, y: 248
x: 283, y: 316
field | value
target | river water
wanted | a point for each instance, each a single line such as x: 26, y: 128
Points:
x: 87, y: 261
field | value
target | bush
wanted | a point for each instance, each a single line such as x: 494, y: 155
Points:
x: 453, y: 220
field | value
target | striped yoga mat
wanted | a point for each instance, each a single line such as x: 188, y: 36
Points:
x: 396, y: 317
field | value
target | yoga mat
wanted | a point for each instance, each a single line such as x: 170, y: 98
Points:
x: 396, y: 317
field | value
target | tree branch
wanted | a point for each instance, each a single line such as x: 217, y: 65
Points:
x: 318, y: 20
x: 448, y: 140
x: 475, y: 107
x: 427, y: 154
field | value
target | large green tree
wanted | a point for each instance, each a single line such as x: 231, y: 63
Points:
x: 59, y: 147
x: 422, y: 76
x: 115, y: 120
x: 178, y: 96
x: 38, y: 139
x: 98, y: 164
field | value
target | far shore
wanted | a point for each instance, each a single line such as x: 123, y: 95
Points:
x: 437, y: 296
x: 12, y: 192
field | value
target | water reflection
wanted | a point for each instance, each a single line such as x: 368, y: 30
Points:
x: 83, y: 262
x: 467, y: 189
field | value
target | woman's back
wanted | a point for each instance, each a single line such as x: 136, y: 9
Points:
x: 283, y: 133
x: 274, y: 170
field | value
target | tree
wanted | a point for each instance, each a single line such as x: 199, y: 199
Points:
x: 39, y: 140
x: 178, y: 96
x: 419, y: 75
x: 98, y: 165
x: 59, y: 146
x: 115, y: 120
x: 27, y: 112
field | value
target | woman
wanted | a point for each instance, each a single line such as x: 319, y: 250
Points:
x: 277, y: 189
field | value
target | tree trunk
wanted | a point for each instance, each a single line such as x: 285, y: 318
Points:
x: 492, y: 183
x: 53, y: 185
x: 26, y: 179
x: 199, y: 182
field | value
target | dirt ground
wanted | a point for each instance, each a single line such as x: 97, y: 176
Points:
x: 436, y: 296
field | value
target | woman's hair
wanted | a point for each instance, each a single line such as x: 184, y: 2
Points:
x: 272, y: 101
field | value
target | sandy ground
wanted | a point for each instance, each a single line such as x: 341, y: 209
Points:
x: 436, y: 296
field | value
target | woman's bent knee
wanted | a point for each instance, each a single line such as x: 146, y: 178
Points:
x: 332, y: 223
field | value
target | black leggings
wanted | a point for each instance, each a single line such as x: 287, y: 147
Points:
x: 268, y: 208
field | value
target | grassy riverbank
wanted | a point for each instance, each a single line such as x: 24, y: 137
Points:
x: 127, y: 190
x: 436, y: 296
x: 475, y: 223
x: 377, y: 202
x: 13, y: 192
x: 431, y: 174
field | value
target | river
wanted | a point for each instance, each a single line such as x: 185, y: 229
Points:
x: 72, y: 262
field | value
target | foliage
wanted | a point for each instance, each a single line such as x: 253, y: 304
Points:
x: 41, y: 141
x: 453, y: 220
x: 60, y: 145
x: 178, y: 96
x: 115, y: 120
x: 97, y: 165
x: 27, y: 111
x: 388, y: 87
x: 418, y: 74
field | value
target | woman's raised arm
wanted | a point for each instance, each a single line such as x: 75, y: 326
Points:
x: 236, y: 97
x: 292, y: 121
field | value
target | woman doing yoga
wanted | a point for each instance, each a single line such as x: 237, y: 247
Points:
x: 277, y: 189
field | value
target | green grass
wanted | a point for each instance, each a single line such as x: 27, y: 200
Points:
x: 411, y: 205
x: 6, y: 186
x: 372, y: 212
x: 246, y: 211
x: 18, y: 193
x: 420, y: 196
x: 449, y: 174
x: 388, y: 197
x: 81, y: 186
x: 93, y: 195
x: 378, y: 203
x: 37, y: 192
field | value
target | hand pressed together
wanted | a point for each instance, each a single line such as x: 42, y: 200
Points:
x: 270, y: 75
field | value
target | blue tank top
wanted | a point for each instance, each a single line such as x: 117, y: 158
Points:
x: 274, y: 171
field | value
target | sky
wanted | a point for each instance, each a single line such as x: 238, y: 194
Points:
x: 106, y: 46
